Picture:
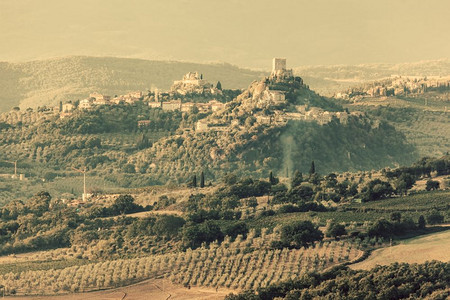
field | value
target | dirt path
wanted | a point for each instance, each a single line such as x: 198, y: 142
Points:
x: 154, y: 289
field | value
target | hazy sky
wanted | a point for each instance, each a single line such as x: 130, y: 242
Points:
x: 243, y: 32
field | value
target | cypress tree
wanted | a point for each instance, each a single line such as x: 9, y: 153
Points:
x: 202, y: 180
x: 297, y: 179
x: 219, y: 85
x: 194, y: 181
x: 312, y: 170
x: 272, y: 179
x: 421, y: 222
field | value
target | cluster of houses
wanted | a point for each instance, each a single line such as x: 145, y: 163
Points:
x: 280, y: 118
x: 97, y: 99
x: 172, y: 105
x: 396, y: 86
x: 313, y: 114
x: 192, y: 83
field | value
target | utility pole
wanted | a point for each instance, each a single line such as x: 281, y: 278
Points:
x: 84, y: 181
x: 15, y: 168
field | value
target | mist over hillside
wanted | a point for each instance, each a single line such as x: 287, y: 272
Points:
x: 46, y: 82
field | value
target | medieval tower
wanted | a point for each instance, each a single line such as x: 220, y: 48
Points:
x: 278, y: 64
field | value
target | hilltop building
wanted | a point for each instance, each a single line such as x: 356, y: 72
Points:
x: 193, y: 83
x: 67, y: 107
x: 274, y: 96
x: 154, y: 104
x: 270, y: 91
x: 205, y: 126
x: 85, y: 104
x: 216, y: 105
x: 171, y: 105
x: 99, y: 97
x: 278, y: 64
x: 144, y: 123
x: 279, y: 68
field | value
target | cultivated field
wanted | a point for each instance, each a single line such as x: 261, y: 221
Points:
x: 241, y: 264
x: 415, y: 250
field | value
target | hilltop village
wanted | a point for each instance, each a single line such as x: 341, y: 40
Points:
x: 271, y: 101
x: 265, y: 100
x: 275, y: 125
x: 191, y: 84
x: 399, y: 86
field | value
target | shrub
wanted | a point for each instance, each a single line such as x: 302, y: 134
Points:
x: 435, y: 217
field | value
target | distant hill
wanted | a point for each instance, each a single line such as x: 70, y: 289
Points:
x: 328, y: 80
x: 277, y: 124
x: 261, y: 131
x: 46, y: 82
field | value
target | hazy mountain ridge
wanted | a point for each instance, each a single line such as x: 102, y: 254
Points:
x: 374, y: 71
x: 46, y: 82
x: 333, y: 78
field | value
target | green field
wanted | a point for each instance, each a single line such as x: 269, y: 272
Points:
x: 411, y: 206
x: 418, y: 202
x: 60, y: 187
x: 425, y: 127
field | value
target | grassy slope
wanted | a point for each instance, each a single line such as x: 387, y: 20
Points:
x: 410, y: 206
x: 427, y: 127
x: 23, y: 190
x: 414, y: 250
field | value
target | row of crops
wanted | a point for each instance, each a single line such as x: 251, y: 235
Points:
x: 241, y: 264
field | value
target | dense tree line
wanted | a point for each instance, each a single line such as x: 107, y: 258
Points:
x: 120, y: 118
x: 41, y: 223
x: 298, y: 234
x: 424, y: 167
x: 109, y: 141
x: 396, y: 281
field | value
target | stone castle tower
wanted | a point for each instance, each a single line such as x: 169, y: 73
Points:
x: 279, y: 69
x: 278, y: 64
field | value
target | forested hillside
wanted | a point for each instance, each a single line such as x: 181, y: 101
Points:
x: 250, y: 135
x: 334, y: 147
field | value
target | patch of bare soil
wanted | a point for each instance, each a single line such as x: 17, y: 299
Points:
x: 154, y: 289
